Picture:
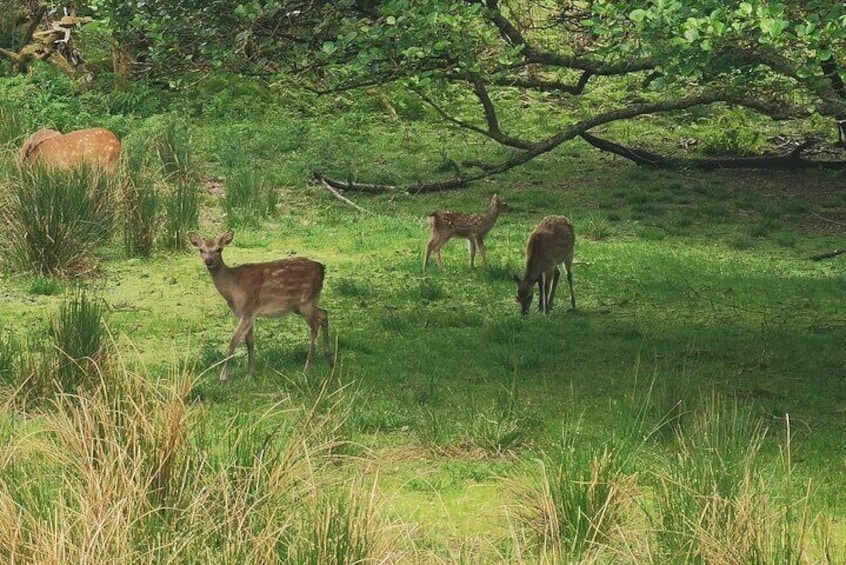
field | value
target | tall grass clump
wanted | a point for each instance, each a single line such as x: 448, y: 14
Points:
x: 141, y: 207
x: 250, y: 198
x: 79, y: 340
x: 129, y: 470
x: 163, y: 188
x: 11, y: 128
x: 10, y: 352
x: 171, y: 143
x: 181, y: 213
x: 56, y: 220
x: 576, y: 498
x: 719, y: 500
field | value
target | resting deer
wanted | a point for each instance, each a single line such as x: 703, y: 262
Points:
x: 550, y: 244
x: 445, y: 224
x: 271, y: 289
x: 92, y: 147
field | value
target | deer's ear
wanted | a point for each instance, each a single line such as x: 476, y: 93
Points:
x: 226, y: 238
x: 194, y: 238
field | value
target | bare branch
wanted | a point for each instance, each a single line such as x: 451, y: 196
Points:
x: 355, y: 186
x: 334, y: 192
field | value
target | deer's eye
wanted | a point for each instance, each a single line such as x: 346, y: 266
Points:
x: 218, y: 250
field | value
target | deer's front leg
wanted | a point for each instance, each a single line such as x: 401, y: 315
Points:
x: 542, y: 293
x: 245, y: 325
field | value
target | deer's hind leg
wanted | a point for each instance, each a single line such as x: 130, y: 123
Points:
x: 251, y: 351
x: 568, y: 266
x: 552, y: 288
x: 323, y: 318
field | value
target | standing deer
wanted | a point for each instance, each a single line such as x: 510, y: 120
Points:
x: 445, y: 224
x: 550, y: 244
x: 92, y: 147
x: 271, y: 289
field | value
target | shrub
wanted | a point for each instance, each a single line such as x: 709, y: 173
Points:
x: 172, y: 145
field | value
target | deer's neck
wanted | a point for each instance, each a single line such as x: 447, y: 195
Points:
x: 223, y: 280
x: 488, y: 219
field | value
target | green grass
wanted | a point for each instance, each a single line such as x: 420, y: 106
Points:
x: 694, y: 294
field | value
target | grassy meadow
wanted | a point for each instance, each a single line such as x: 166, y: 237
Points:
x: 690, y: 410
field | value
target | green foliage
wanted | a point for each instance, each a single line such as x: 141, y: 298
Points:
x: 47, y: 97
x: 171, y: 143
x: 45, y: 286
x: 57, y: 219
x: 161, y: 187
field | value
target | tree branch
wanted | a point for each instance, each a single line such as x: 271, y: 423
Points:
x: 531, y: 55
x: 495, y: 135
x: 487, y: 105
x: 544, y: 86
x: 829, y: 255
x: 33, y: 24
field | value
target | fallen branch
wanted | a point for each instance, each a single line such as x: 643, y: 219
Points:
x: 416, y: 188
x: 334, y: 192
x: 829, y: 255
x: 791, y: 161
x: 355, y: 186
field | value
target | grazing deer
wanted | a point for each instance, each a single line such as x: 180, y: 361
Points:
x: 92, y: 147
x: 550, y: 244
x: 270, y: 289
x: 445, y: 224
